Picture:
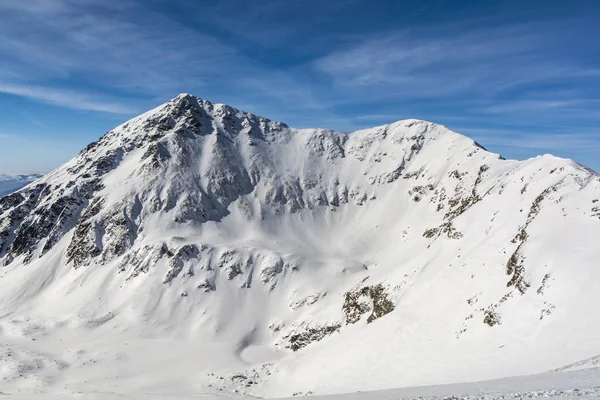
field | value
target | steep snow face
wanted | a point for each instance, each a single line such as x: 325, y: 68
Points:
x: 11, y: 183
x: 308, y: 260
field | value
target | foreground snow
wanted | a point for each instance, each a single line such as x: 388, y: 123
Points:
x: 580, y: 384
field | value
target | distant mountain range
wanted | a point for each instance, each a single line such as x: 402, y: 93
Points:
x: 11, y: 183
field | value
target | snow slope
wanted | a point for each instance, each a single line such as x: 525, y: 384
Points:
x: 11, y: 183
x: 201, y: 249
x: 579, y: 385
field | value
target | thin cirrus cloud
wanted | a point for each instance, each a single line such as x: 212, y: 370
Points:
x: 568, y: 107
x: 100, y: 43
x: 568, y: 141
x: 583, y: 142
x: 66, y: 98
x: 126, y: 50
x: 478, y: 62
x: 91, y: 43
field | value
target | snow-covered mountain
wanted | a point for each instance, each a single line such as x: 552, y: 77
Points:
x: 11, y: 183
x: 242, y: 254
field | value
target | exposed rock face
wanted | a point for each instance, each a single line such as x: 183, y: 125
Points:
x: 300, y: 340
x: 368, y: 299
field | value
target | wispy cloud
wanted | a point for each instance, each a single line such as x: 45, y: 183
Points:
x: 65, y: 98
x: 563, y: 105
x: 418, y: 65
x: 82, y: 46
x: 377, y: 117
x: 588, y: 142
x: 101, y: 44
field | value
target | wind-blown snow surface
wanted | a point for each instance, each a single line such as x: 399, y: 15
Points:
x: 199, y: 249
x: 11, y: 183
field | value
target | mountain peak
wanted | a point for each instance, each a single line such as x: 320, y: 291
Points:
x: 184, y: 96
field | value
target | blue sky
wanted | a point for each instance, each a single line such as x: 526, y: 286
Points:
x: 521, y: 77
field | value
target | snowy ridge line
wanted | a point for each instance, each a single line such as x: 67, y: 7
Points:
x: 591, y: 362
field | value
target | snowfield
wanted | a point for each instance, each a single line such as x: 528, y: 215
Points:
x: 555, y: 386
x: 201, y: 251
